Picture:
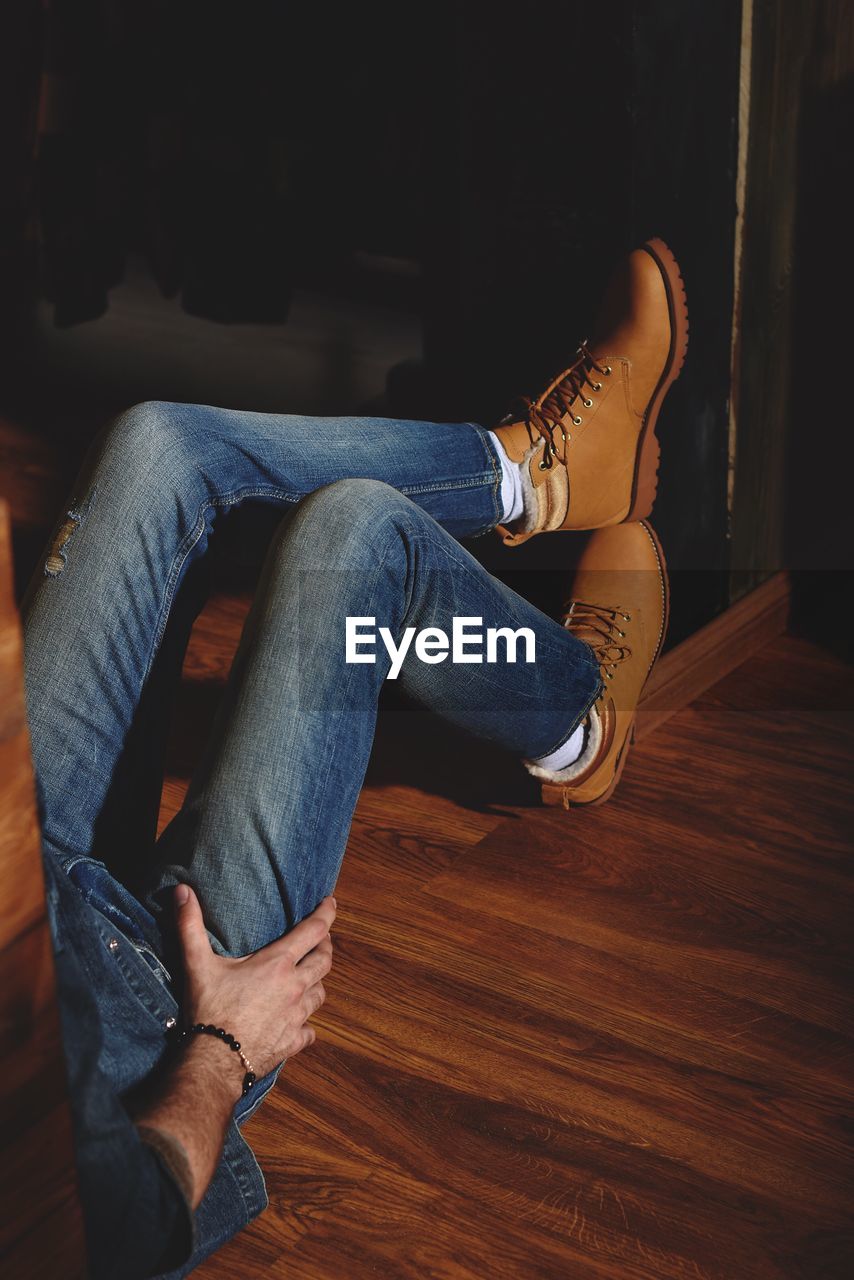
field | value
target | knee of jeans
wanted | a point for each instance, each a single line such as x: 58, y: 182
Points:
x: 344, y: 518
x: 144, y: 435
x: 143, y: 458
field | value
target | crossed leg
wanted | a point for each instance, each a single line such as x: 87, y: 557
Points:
x: 264, y: 826
x: 263, y: 829
x: 107, y: 620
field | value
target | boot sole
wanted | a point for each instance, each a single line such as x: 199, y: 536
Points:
x: 645, y: 484
x: 552, y: 793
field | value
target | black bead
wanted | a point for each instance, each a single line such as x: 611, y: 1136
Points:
x: 235, y: 1044
x: 198, y: 1026
x: 229, y: 1040
x: 211, y: 1029
x: 221, y: 1032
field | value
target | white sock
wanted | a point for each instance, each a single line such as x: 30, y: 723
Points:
x: 566, y: 754
x: 512, y: 499
x: 574, y: 757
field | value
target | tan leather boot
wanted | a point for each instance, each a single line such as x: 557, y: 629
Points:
x: 620, y: 605
x: 589, y: 440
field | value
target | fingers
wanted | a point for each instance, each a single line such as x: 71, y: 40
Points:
x: 306, y: 1035
x: 314, y: 998
x: 191, y: 926
x: 309, y: 1037
x: 317, y: 963
x: 305, y: 936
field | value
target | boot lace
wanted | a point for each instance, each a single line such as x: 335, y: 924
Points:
x: 544, y: 416
x: 599, y: 626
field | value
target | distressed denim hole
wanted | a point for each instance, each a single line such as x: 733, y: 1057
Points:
x: 58, y: 554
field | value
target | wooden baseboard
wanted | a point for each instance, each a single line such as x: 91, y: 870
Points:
x: 712, y: 652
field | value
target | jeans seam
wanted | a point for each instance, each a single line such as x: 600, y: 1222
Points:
x: 492, y: 455
x: 144, y: 949
x: 473, y: 482
x: 81, y: 857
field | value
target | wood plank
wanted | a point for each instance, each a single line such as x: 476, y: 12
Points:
x: 687, y: 671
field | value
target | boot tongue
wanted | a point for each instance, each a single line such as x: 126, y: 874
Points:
x: 514, y: 438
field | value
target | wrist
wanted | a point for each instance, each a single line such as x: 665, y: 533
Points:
x: 220, y: 1070
x: 200, y: 1031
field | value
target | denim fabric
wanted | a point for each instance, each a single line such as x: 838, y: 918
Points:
x: 115, y: 1016
x: 371, y: 512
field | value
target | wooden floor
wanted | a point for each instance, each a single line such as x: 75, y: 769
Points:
x: 612, y: 1043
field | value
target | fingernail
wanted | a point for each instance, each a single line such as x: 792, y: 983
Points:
x: 334, y: 903
x: 182, y: 893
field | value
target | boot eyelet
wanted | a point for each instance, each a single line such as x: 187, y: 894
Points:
x: 588, y: 404
x: 628, y: 617
x: 607, y: 371
x: 578, y: 421
x: 621, y: 633
x: 597, y: 386
x: 543, y: 466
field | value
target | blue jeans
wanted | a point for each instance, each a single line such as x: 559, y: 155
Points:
x: 371, y: 510
x: 264, y: 826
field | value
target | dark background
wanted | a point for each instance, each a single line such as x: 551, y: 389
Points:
x: 468, y: 174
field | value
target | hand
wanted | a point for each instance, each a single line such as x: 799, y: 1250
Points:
x: 264, y: 999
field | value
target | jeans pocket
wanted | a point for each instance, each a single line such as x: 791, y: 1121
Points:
x: 117, y: 904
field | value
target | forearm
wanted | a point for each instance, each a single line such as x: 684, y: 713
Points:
x: 184, y: 1111
x: 188, y: 1111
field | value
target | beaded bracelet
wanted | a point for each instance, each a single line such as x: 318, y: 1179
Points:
x: 208, y: 1028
